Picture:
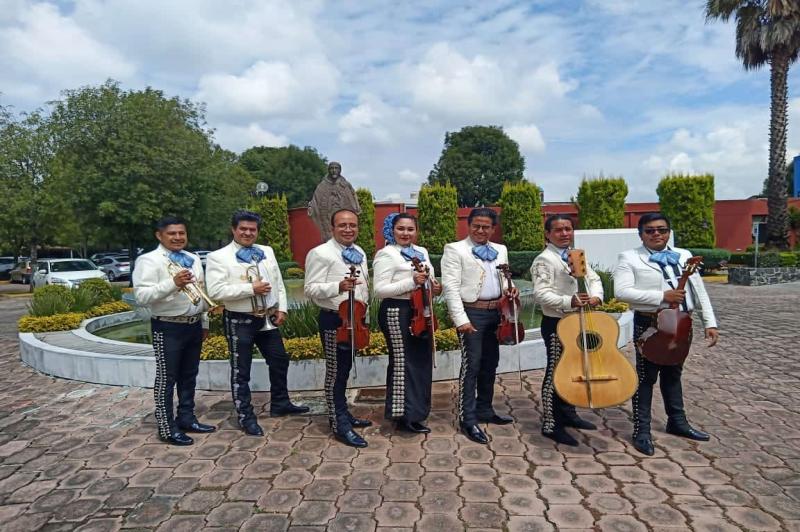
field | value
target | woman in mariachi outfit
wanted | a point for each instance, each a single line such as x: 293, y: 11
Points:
x: 410, y: 372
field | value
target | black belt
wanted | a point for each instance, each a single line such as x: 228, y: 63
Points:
x: 188, y: 320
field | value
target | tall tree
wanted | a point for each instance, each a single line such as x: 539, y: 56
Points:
x: 768, y: 33
x: 477, y: 160
x: 127, y: 158
x: 291, y: 171
x: 30, y: 209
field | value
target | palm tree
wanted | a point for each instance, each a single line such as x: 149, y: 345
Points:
x: 768, y: 33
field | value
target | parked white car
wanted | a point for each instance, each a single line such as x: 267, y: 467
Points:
x: 115, y: 267
x: 65, y: 272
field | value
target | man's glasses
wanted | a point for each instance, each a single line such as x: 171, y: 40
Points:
x: 654, y: 230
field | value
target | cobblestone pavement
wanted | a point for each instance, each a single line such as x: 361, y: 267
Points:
x: 84, y: 456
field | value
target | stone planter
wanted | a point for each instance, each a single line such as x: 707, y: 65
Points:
x: 747, y: 276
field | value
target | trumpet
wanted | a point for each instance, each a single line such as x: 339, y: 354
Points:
x: 259, y: 302
x: 192, y: 290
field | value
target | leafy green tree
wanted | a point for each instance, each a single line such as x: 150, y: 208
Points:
x: 366, y: 222
x: 688, y: 202
x: 127, y: 158
x: 477, y: 160
x: 768, y: 33
x: 521, y: 218
x: 274, y: 225
x: 291, y: 171
x: 437, y: 210
x: 31, y: 211
x: 601, y: 203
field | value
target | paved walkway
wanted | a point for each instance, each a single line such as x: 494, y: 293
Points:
x: 75, y: 455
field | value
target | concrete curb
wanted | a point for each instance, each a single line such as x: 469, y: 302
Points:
x: 137, y: 370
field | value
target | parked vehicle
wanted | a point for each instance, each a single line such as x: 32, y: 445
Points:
x: 65, y: 272
x: 21, y: 273
x: 6, y: 265
x: 115, y: 267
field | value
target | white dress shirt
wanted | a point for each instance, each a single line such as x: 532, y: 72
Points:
x: 325, y: 269
x: 154, y: 287
x: 640, y: 283
x: 464, y: 277
x: 393, y: 275
x: 554, y: 286
x: 229, y: 283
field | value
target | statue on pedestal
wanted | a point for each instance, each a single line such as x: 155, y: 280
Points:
x: 334, y: 192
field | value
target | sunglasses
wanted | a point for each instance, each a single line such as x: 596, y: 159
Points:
x: 654, y: 230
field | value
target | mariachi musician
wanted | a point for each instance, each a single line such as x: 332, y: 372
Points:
x: 410, y: 373
x: 556, y: 291
x: 327, y: 284
x: 179, y: 325
x: 473, y: 290
x: 245, y: 277
x: 647, y: 278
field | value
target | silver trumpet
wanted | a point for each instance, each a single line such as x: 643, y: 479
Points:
x: 258, y: 303
x: 192, y: 290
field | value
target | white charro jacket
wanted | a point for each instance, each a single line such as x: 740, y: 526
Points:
x: 553, y: 286
x: 228, y: 282
x: 325, y: 269
x: 154, y: 288
x: 641, y: 284
x: 393, y: 275
x: 463, y: 276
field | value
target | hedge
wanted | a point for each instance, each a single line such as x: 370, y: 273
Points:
x: 520, y: 263
x: 366, y: 222
x: 688, y: 201
x: 601, y: 203
x: 767, y: 259
x: 521, y: 217
x: 274, y: 223
x: 286, y: 264
x: 713, y: 258
x: 294, y: 273
x: 437, y: 209
x: 310, y: 347
x: 68, y: 320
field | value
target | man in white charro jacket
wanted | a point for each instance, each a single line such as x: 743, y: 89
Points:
x: 646, y: 278
x: 556, y: 291
x: 232, y: 281
x: 472, y: 288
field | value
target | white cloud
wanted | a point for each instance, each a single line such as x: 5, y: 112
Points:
x: 368, y: 122
x: 528, y: 137
x: 272, y: 89
x: 409, y: 176
x: 239, y: 138
x: 42, y: 49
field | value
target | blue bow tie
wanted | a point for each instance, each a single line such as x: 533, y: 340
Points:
x: 485, y: 252
x: 352, y: 256
x: 248, y: 254
x: 181, y: 258
x: 410, y: 253
x: 665, y: 258
x: 565, y: 254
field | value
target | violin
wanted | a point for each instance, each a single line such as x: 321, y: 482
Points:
x: 668, y: 342
x: 511, y: 331
x: 353, y: 313
x: 423, y: 320
x: 592, y: 372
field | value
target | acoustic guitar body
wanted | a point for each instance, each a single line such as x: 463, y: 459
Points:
x: 668, y: 343
x: 612, y: 379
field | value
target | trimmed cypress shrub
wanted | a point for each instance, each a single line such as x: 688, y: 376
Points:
x: 366, y: 222
x: 274, y: 230
x: 437, y: 208
x: 601, y: 202
x: 520, y: 263
x: 521, y: 218
x: 688, y: 202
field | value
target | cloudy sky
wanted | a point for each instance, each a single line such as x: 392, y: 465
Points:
x: 624, y: 87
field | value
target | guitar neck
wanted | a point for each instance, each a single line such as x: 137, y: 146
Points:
x: 582, y: 285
